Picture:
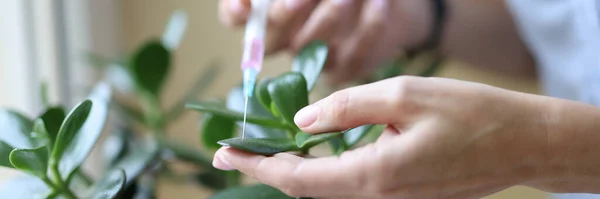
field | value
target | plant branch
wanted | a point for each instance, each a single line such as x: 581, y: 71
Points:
x: 58, y: 181
x: 185, y: 152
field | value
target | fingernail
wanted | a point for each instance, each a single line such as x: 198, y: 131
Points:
x: 221, y: 163
x: 306, y: 116
x: 237, y: 6
x: 294, y: 4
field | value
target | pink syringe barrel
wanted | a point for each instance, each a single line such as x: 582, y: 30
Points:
x: 254, y: 37
x: 254, y: 44
x: 254, y: 50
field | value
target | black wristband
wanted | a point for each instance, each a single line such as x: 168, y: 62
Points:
x: 435, y: 35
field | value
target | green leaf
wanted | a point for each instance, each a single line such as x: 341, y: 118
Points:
x: 32, y: 161
x: 109, y: 187
x: 150, y: 66
x: 23, y: 186
x: 258, y: 191
x: 221, y: 110
x: 53, y: 118
x: 353, y: 136
x: 139, y: 155
x: 17, y: 131
x: 83, y: 141
x: 215, y: 128
x: 262, y: 146
x: 289, y: 94
x: 115, y: 146
x: 5, y: 150
x: 262, y: 92
x: 175, y: 29
x: 69, y: 128
x: 432, y: 69
x: 212, y: 179
x: 235, y: 102
x: 307, y: 141
x: 310, y: 62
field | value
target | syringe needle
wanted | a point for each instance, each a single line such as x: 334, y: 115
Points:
x: 245, y: 113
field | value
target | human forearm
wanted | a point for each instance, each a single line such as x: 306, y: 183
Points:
x: 482, y: 33
x: 573, y: 141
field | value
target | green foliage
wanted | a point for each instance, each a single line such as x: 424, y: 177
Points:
x: 109, y: 187
x: 262, y: 92
x: 150, y: 66
x: 263, y: 146
x: 216, y: 128
x: 310, y: 61
x: 310, y: 141
x: 32, y: 161
x: 69, y: 128
x: 289, y: 94
x: 258, y: 191
x: 217, y: 108
x: 5, y: 150
x: 53, y: 118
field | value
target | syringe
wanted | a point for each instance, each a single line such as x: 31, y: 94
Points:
x: 254, y: 49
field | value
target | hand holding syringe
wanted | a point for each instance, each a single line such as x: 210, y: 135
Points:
x: 254, y: 49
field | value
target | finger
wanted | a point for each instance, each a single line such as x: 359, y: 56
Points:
x: 285, y: 19
x: 301, y: 177
x: 233, y: 13
x: 355, y: 50
x: 325, y: 22
x: 388, y: 101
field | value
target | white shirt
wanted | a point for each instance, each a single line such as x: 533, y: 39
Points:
x: 564, y: 37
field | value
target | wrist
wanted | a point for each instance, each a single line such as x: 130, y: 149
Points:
x: 571, y: 162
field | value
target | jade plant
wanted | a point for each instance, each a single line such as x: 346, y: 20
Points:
x: 270, y: 115
x: 51, y: 147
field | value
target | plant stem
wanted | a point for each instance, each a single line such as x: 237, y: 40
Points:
x: 86, y: 179
x: 61, y: 185
x: 185, y: 152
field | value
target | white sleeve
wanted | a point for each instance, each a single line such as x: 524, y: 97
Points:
x: 564, y: 37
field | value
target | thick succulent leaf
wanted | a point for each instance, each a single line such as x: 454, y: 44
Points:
x: 235, y: 102
x: 17, y: 131
x: 212, y: 179
x: 310, y: 62
x: 215, y: 128
x: 258, y: 191
x: 353, y: 136
x: 289, y: 94
x: 262, y: 146
x: 86, y: 137
x: 307, y: 141
x: 216, y: 108
x: 115, y: 146
x: 32, y: 161
x: 73, y: 122
x: 175, y: 29
x: 24, y: 186
x: 140, y: 153
x: 53, y: 118
x: 262, y: 92
x: 109, y: 187
x: 5, y: 150
x: 150, y: 66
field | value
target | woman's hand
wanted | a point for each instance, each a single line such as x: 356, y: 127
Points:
x: 361, y: 33
x: 445, y: 139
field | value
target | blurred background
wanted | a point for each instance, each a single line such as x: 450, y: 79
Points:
x: 48, y: 40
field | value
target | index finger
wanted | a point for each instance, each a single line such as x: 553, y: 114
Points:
x: 300, y: 177
x: 233, y: 13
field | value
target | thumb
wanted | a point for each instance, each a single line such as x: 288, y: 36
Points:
x: 382, y: 102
